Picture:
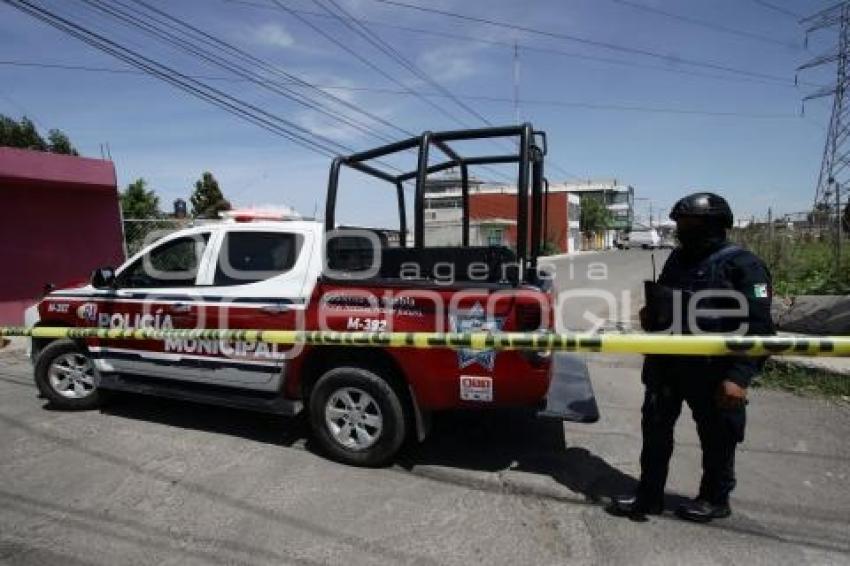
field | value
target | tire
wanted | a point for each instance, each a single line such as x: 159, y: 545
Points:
x: 71, y: 388
x: 357, y: 417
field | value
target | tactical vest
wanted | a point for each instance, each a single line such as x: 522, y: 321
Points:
x: 669, y: 301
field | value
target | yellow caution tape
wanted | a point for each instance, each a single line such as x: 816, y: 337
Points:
x: 702, y: 345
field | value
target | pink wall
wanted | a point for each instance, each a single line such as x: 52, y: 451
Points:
x: 55, y: 228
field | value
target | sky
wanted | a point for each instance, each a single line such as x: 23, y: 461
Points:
x: 639, y: 112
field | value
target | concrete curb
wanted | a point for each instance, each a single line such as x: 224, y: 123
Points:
x: 570, y: 255
x: 838, y: 366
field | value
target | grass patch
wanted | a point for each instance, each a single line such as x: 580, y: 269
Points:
x: 805, y: 381
x: 800, y: 266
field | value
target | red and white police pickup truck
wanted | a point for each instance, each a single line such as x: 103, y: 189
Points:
x: 362, y: 402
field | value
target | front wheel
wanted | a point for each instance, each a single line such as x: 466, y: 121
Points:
x: 357, y: 417
x: 66, y: 376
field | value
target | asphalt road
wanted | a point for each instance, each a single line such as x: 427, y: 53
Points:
x: 156, y: 482
x: 603, y: 291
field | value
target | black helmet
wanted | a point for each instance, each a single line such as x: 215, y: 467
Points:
x: 707, y: 205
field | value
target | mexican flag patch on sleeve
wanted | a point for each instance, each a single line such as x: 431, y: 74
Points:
x: 760, y: 290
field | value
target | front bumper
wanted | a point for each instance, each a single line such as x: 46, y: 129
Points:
x: 31, y: 318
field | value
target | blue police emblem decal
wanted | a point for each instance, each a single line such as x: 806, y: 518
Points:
x: 475, y: 320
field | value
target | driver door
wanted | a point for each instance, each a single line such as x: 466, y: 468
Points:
x: 157, y: 290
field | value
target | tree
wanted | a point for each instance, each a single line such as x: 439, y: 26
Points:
x: 845, y: 219
x: 595, y: 216
x: 207, y: 199
x: 139, y: 202
x: 28, y: 136
x: 21, y: 134
x: 24, y: 135
x: 8, y: 129
x: 58, y: 142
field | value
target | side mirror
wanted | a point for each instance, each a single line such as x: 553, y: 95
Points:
x: 103, y: 278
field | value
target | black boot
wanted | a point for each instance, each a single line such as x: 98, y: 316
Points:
x: 633, y: 505
x: 702, y: 511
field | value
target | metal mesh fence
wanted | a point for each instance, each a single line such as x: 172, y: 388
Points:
x: 803, y: 251
x: 138, y: 233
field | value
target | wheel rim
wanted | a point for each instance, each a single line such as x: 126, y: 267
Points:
x: 71, y: 375
x: 353, y: 418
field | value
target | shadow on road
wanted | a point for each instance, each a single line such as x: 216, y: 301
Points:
x: 259, y: 427
x: 486, y: 441
x: 516, y: 440
x: 494, y: 441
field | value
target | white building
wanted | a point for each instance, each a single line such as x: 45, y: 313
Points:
x: 618, y: 197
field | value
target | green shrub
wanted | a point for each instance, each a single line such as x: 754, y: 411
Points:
x: 800, y: 264
x: 803, y: 381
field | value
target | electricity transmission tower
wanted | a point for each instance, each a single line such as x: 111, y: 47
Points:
x: 834, y: 176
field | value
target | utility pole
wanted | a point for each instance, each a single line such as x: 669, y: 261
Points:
x: 837, y: 227
x: 770, y: 222
x: 770, y: 233
x: 516, y: 82
x: 835, y: 163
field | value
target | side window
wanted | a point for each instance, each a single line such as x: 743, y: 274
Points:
x: 495, y: 237
x: 172, y: 264
x: 248, y: 257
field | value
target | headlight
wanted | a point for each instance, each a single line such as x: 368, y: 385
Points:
x: 31, y: 318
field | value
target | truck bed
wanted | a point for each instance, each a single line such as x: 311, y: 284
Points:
x: 444, y: 267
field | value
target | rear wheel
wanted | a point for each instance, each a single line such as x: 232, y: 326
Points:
x: 66, y: 376
x: 357, y: 417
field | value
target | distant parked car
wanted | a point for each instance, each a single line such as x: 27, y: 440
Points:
x: 646, y: 238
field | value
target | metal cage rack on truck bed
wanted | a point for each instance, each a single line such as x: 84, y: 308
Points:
x: 531, y: 147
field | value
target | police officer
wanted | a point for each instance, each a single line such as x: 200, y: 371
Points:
x: 715, y: 388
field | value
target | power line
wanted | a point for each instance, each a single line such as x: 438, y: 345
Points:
x: 231, y: 50
x: 705, y: 24
x: 776, y: 80
x: 89, y: 69
x: 778, y: 9
x: 581, y: 40
x: 242, y: 109
x: 278, y: 71
x: 253, y: 114
x: 371, y: 65
x: 364, y: 60
x: 275, y: 86
x: 250, y: 112
x: 630, y: 108
x: 363, y: 31
x: 147, y: 24
x: 483, y: 98
x: 373, y: 38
